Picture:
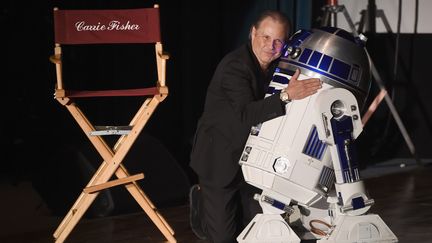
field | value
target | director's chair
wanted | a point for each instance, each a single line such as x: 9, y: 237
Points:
x: 78, y: 27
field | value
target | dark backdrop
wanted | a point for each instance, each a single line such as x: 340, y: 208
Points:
x: 42, y: 143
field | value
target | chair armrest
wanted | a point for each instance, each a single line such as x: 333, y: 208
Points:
x: 55, y: 59
x: 164, y: 55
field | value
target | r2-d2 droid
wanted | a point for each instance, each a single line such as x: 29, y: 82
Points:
x: 297, y: 158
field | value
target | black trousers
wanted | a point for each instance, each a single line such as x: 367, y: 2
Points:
x: 227, y: 211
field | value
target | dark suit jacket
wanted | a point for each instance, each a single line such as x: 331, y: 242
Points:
x: 234, y: 103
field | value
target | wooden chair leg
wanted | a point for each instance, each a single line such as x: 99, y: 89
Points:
x: 110, y: 165
x: 113, y: 183
x: 85, y: 200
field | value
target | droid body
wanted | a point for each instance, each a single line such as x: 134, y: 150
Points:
x: 305, y: 161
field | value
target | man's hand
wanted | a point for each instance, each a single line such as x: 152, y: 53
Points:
x: 299, y: 89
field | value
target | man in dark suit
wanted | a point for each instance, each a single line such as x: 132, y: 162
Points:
x: 223, y: 204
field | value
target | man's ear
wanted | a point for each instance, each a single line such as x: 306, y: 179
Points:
x: 252, y: 32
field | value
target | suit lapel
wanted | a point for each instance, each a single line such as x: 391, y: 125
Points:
x: 258, y: 82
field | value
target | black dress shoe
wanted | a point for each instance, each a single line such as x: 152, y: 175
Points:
x: 195, y: 212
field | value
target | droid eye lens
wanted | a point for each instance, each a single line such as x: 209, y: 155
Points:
x: 296, y: 52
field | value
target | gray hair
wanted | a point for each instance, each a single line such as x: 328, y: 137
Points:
x: 276, y: 16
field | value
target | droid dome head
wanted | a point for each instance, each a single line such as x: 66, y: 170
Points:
x: 331, y: 54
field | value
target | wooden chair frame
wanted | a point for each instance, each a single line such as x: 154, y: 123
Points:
x: 112, y: 157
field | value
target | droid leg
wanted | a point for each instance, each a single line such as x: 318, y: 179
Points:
x: 339, y: 128
x: 270, y: 226
x: 368, y: 228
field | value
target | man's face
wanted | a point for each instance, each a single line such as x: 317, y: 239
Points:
x: 267, y: 41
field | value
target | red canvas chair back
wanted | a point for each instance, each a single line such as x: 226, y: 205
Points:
x: 107, y: 26
x: 74, y: 27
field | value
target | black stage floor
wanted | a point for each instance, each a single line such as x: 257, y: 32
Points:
x: 402, y: 193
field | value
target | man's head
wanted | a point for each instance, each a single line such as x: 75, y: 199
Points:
x: 268, y: 35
